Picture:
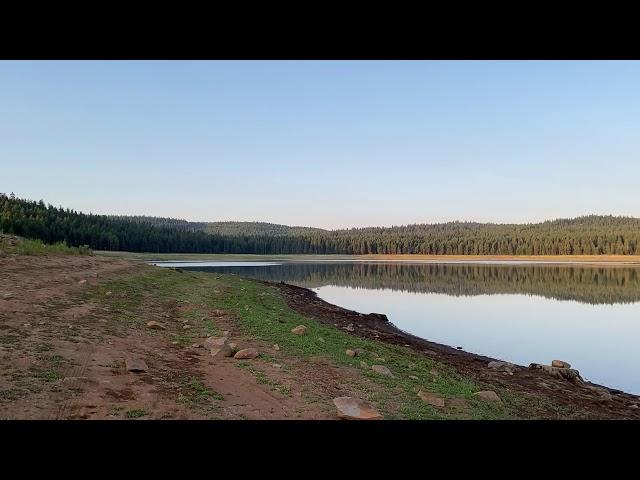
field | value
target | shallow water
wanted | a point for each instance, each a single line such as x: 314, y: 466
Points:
x: 588, y: 315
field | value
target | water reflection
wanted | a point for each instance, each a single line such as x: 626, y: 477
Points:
x: 592, y: 284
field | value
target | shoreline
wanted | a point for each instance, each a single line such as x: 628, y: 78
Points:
x: 613, y: 260
x: 533, y: 382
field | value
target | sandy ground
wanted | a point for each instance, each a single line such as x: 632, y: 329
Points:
x: 46, y: 328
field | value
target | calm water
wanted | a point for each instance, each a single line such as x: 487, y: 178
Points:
x: 588, y: 315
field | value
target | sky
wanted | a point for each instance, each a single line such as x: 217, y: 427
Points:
x: 323, y: 143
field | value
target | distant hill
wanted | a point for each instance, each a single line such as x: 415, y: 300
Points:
x: 588, y: 235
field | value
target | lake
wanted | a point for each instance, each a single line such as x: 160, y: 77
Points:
x: 587, y: 315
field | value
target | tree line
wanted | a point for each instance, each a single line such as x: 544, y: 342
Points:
x: 588, y: 235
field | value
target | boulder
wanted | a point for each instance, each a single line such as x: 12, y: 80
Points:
x: 135, y: 365
x: 222, y: 351
x: 569, y: 374
x: 156, y: 325
x: 215, y: 342
x: 382, y: 370
x: 560, y: 364
x: 246, y: 353
x: 431, y: 399
x: 352, y: 408
x: 488, y: 396
x: 299, y: 330
x: 502, y: 367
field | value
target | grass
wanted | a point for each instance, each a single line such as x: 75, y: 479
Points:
x: 25, y: 246
x: 261, y: 312
x: 136, y: 413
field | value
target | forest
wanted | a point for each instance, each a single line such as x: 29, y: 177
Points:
x: 587, y: 235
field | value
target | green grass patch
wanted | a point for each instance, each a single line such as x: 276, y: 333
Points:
x: 26, y: 246
x: 136, y: 413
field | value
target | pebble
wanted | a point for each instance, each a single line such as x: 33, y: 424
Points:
x: 186, y: 327
x: 351, y: 408
x: 350, y: 353
x: 82, y: 282
x: 431, y: 399
x: 382, y: 370
x: 413, y: 377
x: 155, y: 325
x: 135, y: 365
x: 489, y: 396
x: 276, y: 347
x: 299, y: 330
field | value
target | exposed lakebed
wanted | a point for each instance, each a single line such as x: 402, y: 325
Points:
x: 588, y: 315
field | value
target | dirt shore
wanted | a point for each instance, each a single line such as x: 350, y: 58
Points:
x: 614, y: 404
x: 68, y: 325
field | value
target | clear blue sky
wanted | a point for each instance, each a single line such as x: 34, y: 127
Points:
x: 328, y: 144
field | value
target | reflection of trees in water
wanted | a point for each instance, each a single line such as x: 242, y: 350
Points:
x: 588, y: 284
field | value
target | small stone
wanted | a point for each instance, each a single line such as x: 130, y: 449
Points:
x: 82, y: 282
x: 382, y: 370
x: 364, y: 364
x: 26, y: 325
x: 186, y: 327
x: 276, y: 365
x: 108, y: 294
x: 431, y: 399
x: 350, y: 353
x: 185, y: 320
x: 195, y: 345
x: 349, y: 328
x: 7, y: 296
x: 217, y: 313
x: 635, y: 405
x: 222, y: 351
x: 174, y: 343
x: 276, y: 347
x: 155, y: 325
x: 136, y: 365
x: 488, y: 396
x: 42, y: 323
x: 247, y: 353
x: 299, y: 330
x: 560, y: 364
x: 459, y: 348
x: 351, y: 408
x: 215, y: 342
x: 321, y: 340
x: 413, y: 377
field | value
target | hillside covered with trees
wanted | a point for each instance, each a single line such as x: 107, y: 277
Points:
x: 589, y: 235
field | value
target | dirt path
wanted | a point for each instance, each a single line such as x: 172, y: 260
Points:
x: 62, y: 358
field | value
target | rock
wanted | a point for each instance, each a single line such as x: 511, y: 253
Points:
x: 217, y: 313
x: 195, y: 345
x: 184, y: 320
x: 215, y: 342
x: 276, y: 365
x: 351, y: 408
x: 560, y: 364
x: 349, y: 328
x: 601, y: 392
x: 276, y: 347
x: 186, y: 327
x: 364, y: 364
x: 174, y: 343
x: 413, y: 377
x: 635, y: 405
x: 431, y: 399
x: 26, y: 325
x: 7, y: 296
x: 488, y: 396
x: 569, y: 374
x: 459, y: 348
x: 155, y: 325
x: 299, y: 330
x: 234, y: 347
x: 223, y: 351
x: 246, y: 353
x: 502, y: 367
x: 379, y: 316
x: 350, y: 353
x: 382, y: 370
x: 42, y: 323
x: 82, y: 282
x: 135, y: 365
x: 108, y: 294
